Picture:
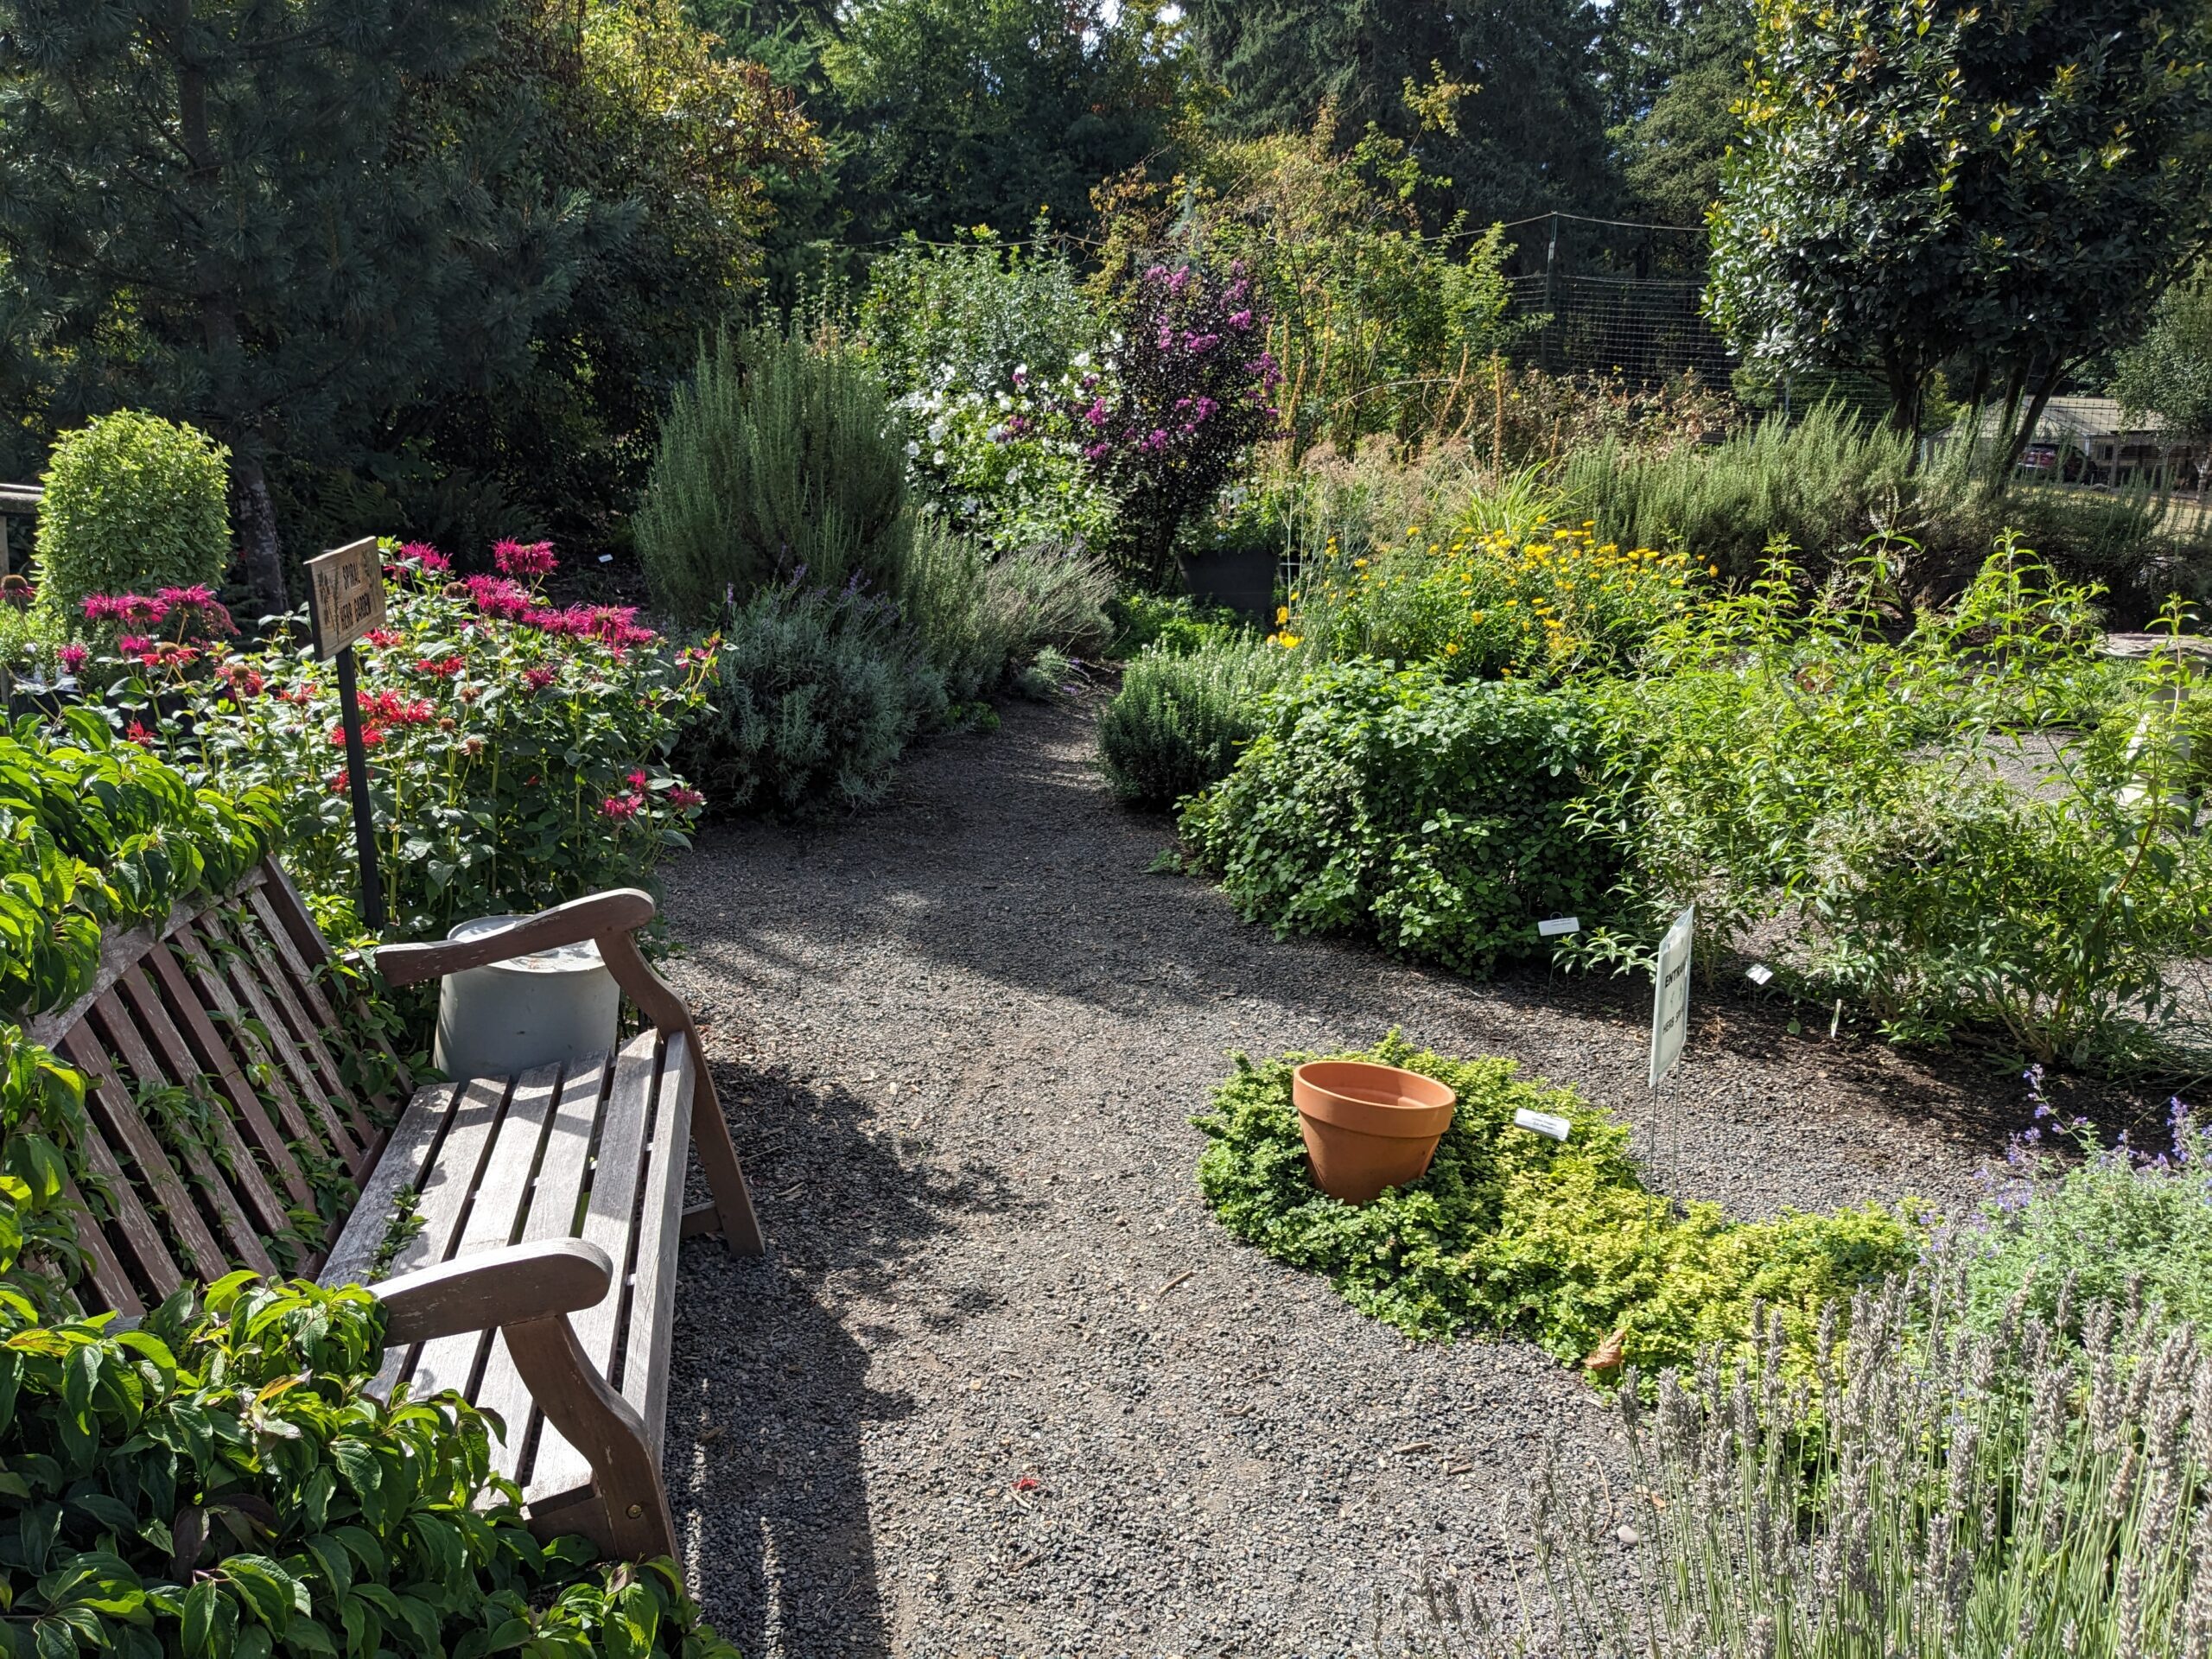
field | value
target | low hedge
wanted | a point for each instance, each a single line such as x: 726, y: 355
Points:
x: 1514, y: 1233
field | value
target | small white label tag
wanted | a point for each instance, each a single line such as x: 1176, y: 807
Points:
x: 606, y: 558
x: 1759, y: 973
x: 1558, y: 925
x: 1542, y: 1124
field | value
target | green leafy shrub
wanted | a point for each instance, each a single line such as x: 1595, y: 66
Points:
x: 1436, y: 814
x: 518, y: 750
x: 816, y: 693
x: 218, y: 1482
x: 42, y: 1126
x: 983, y: 619
x: 2088, y: 1224
x: 1176, y: 624
x: 97, y: 833
x: 2032, y: 1489
x: 1511, y: 1231
x: 780, y: 461
x: 1182, y: 717
x: 1802, y: 771
x: 132, y: 503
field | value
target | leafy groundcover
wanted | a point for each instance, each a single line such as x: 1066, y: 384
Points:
x: 1514, y: 1233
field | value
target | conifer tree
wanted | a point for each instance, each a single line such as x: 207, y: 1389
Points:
x: 257, y: 216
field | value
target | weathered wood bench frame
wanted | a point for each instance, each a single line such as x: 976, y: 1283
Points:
x: 528, y: 1225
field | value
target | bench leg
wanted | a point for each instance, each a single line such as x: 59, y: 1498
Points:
x: 630, y: 1520
x: 740, y: 1228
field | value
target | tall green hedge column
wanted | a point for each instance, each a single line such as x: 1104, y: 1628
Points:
x: 133, y: 503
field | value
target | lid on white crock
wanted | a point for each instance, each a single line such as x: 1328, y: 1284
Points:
x: 579, y: 958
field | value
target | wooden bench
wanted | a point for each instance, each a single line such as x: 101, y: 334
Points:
x: 520, y: 1231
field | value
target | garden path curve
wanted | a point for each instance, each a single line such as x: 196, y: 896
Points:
x: 1001, y: 1386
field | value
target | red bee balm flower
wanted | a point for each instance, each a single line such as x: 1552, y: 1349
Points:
x: 622, y: 806
x: 539, y: 678
x: 524, y: 559
x: 138, y: 734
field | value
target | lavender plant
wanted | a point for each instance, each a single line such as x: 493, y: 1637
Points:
x: 1933, y: 1491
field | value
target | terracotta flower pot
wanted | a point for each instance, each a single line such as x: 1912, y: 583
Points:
x: 1367, y: 1126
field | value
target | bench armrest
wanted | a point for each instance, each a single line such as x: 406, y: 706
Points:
x: 624, y: 909
x: 494, y: 1287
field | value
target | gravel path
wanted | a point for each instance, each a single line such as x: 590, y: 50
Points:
x: 1001, y: 1386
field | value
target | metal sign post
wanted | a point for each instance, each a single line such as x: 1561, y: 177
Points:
x: 1670, y: 1022
x: 346, y: 600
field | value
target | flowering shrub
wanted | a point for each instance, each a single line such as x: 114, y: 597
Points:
x: 988, y: 347
x: 1542, y: 601
x: 517, y: 748
x: 1187, y: 398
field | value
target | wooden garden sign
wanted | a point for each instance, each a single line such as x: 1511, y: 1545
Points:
x: 346, y: 601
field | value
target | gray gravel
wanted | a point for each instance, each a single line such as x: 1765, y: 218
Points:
x: 1000, y: 1386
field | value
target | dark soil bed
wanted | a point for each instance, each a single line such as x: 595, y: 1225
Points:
x: 1000, y: 1386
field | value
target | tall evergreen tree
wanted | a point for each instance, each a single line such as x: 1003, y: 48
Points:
x: 257, y: 216
x: 1674, y: 71
x: 1530, y: 137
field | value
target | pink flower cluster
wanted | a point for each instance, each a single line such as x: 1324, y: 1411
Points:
x: 526, y: 559
x: 193, y: 610
x: 509, y: 600
x: 422, y: 557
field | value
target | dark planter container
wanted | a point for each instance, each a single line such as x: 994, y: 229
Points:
x: 1240, y: 578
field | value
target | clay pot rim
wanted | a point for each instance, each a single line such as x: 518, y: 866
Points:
x: 1390, y: 1120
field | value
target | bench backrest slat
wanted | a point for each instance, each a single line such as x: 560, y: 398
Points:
x: 221, y: 1131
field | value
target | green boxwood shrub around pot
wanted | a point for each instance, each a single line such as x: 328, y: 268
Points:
x: 1512, y: 1232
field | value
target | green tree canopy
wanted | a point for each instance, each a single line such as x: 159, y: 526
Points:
x: 2002, y: 190
x: 243, y: 216
x: 1672, y: 89
x: 1527, y: 135
x: 2169, y: 372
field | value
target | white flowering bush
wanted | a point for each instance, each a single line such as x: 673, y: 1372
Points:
x: 989, y: 348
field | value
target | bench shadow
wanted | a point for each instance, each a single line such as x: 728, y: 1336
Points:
x: 768, y: 1400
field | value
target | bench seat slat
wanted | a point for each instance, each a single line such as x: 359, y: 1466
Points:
x: 244, y: 1177
x: 215, y: 1057
x: 652, y: 1308
x: 553, y: 1201
x: 406, y: 1153
x: 495, y: 1216
x: 121, y: 1118
x: 610, y: 1222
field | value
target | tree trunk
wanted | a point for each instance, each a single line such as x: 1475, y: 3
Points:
x: 264, y: 555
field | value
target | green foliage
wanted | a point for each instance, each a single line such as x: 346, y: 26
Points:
x: 41, y: 1126
x: 270, y: 221
x: 1531, y: 138
x: 982, y: 619
x: 2072, y: 1222
x: 1187, y: 708
x: 1821, y: 483
x: 97, y: 834
x: 779, y: 462
x: 2169, y: 370
x: 1438, y: 815
x: 132, y: 503
x: 1807, y: 766
x: 816, y: 696
x: 1177, y: 624
x: 1511, y: 1231
x: 991, y: 347
x: 1677, y: 115
x: 947, y: 114
x: 1878, y: 216
x: 1379, y: 328
x: 518, y: 753
x: 218, y: 1482
x: 2033, y: 1489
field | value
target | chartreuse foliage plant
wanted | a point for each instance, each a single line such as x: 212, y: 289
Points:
x: 1510, y: 1231
x: 1436, y: 814
x: 132, y: 503
x: 218, y: 1482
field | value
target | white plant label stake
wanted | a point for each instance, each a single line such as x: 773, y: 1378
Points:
x: 1670, y: 1028
x: 1557, y: 926
x: 1542, y: 1124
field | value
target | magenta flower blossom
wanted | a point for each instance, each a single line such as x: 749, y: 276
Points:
x: 522, y: 559
x: 72, y: 656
